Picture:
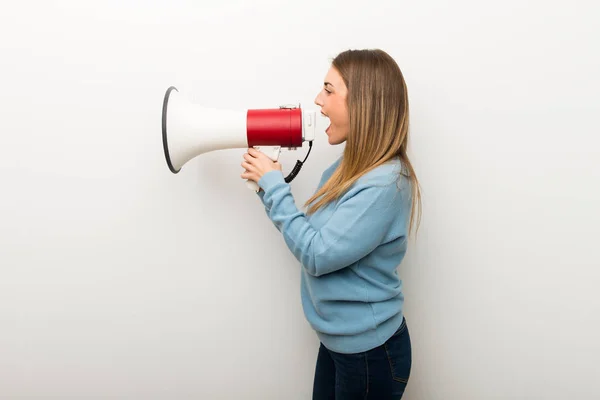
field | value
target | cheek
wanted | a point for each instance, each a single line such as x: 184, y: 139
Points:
x: 342, y: 118
x: 339, y: 112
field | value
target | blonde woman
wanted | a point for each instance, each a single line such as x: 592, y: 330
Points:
x: 354, y: 233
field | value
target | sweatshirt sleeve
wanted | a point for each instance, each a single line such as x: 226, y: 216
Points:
x: 357, y: 226
x: 261, y: 196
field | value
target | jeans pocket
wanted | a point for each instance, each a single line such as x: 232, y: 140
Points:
x: 399, y: 354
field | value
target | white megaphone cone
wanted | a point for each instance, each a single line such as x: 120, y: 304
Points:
x: 189, y: 130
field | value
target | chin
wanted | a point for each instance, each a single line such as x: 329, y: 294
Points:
x: 336, y: 141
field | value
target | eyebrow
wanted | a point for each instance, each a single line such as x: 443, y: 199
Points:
x: 327, y: 83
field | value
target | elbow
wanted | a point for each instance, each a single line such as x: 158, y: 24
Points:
x: 310, y: 266
x: 312, y: 271
x: 319, y: 266
x: 317, y: 259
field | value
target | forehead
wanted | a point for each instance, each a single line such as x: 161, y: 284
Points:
x: 334, y: 77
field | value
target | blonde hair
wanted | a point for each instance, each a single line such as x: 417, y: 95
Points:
x: 377, y: 104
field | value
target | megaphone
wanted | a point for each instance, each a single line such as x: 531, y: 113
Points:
x: 189, y: 130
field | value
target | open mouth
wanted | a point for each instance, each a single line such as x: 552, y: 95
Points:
x: 329, y: 126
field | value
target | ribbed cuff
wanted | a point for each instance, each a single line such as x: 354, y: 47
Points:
x: 271, y: 179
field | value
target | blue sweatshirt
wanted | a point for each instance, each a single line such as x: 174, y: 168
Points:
x: 349, y: 251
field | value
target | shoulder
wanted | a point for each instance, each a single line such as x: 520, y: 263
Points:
x: 385, y: 183
x: 389, y: 175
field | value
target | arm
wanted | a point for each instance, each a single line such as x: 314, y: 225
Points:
x: 326, y: 174
x: 261, y: 196
x: 358, y: 225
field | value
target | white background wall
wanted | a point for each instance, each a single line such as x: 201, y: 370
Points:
x: 120, y: 280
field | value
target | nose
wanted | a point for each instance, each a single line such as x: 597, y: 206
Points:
x: 318, y: 100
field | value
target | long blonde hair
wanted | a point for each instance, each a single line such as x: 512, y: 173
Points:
x: 377, y: 104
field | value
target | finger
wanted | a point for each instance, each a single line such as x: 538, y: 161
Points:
x: 255, y: 153
x: 247, y: 166
x: 249, y: 175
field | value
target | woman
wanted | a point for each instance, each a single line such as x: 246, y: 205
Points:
x: 354, y: 233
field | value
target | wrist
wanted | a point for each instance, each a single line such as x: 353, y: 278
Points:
x: 271, y: 179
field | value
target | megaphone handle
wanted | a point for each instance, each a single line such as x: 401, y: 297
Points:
x: 273, y: 156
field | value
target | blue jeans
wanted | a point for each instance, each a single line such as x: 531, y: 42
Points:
x: 380, y: 373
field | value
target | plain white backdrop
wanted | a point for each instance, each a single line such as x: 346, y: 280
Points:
x: 120, y: 280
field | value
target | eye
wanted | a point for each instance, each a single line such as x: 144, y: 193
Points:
x: 328, y: 91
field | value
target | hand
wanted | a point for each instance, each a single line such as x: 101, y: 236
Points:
x: 256, y: 164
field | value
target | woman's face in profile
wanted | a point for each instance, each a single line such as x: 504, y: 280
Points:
x: 332, y: 100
